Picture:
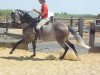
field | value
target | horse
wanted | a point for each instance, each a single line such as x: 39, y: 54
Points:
x: 56, y: 31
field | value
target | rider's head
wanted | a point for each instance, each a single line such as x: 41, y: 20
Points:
x: 41, y: 1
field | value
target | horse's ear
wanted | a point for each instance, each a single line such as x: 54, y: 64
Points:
x: 13, y: 10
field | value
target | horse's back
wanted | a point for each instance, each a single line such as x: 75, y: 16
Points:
x: 59, y: 25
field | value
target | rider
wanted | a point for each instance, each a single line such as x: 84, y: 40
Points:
x: 43, y: 14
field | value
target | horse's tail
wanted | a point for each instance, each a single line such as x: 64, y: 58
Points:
x: 78, y: 38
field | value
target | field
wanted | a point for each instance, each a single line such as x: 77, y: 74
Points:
x: 19, y: 63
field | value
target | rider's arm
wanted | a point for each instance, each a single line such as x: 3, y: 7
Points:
x: 44, y: 10
x: 37, y: 11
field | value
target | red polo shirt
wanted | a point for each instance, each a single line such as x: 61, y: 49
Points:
x: 44, y: 10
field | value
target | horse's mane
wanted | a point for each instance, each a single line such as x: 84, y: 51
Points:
x: 27, y: 17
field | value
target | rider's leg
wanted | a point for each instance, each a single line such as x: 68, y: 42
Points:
x: 42, y: 23
x: 39, y: 35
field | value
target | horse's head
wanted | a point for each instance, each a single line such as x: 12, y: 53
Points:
x: 17, y: 16
x: 20, y: 16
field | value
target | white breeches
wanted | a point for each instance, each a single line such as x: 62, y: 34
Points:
x: 42, y: 23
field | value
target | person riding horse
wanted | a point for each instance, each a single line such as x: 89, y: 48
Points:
x: 56, y: 31
x: 43, y: 14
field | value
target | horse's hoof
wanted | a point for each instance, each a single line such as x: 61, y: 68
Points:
x: 32, y: 56
x: 11, y: 52
x: 61, y: 58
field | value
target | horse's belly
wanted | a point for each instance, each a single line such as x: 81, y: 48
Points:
x: 48, y: 33
x: 48, y: 37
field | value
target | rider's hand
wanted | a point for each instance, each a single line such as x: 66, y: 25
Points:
x: 35, y: 10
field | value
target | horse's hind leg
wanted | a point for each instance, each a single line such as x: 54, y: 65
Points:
x: 73, y: 47
x: 18, y: 43
x: 64, y: 46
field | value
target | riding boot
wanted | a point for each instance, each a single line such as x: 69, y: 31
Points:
x: 39, y: 35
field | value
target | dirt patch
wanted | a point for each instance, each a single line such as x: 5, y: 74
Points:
x: 19, y: 64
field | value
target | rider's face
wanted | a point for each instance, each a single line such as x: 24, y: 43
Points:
x: 40, y: 1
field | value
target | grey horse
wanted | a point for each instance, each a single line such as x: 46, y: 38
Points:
x: 53, y: 32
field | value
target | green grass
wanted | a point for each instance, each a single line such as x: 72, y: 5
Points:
x: 57, y: 15
x: 6, y: 13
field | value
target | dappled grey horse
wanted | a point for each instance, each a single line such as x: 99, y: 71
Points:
x: 56, y: 31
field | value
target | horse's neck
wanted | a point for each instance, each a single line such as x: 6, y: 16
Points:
x: 26, y: 26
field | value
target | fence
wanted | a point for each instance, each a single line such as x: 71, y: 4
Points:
x: 70, y: 21
x: 93, y: 29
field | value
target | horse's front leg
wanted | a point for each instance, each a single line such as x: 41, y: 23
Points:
x: 34, y: 47
x: 18, y: 43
